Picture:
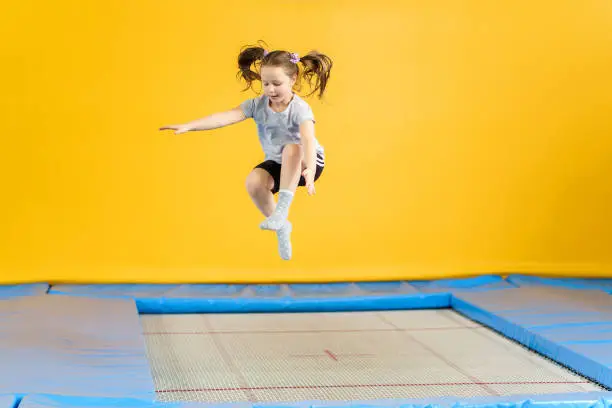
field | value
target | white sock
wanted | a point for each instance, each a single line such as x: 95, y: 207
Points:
x: 284, y: 241
x: 279, y: 216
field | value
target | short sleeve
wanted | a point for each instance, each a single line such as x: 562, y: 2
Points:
x: 248, y: 107
x: 302, y: 113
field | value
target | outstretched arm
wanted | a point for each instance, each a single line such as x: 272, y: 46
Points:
x: 213, y: 121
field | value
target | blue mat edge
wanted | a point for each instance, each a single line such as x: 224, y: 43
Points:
x: 292, y: 305
x: 575, y: 400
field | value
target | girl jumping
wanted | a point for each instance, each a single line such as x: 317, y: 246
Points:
x: 285, y: 125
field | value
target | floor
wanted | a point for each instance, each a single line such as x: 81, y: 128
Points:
x: 341, y: 356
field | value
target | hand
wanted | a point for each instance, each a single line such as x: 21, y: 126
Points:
x: 309, y: 176
x: 179, y: 129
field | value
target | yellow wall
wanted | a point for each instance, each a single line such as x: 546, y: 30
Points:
x: 462, y: 137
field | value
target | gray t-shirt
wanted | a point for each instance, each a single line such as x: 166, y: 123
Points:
x: 277, y: 129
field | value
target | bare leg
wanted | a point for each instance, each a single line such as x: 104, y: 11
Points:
x: 291, y: 168
x: 259, y: 184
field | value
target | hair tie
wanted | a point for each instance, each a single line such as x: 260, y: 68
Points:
x: 266, y: 52
x: 294, y: 58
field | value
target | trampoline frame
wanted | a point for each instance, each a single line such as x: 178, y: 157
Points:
x: 474, y: 298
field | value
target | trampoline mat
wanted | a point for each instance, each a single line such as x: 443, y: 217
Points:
x: 342, y: 356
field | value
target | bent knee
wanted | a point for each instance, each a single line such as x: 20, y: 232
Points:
x: 259, y: 180
x: 292, y: 150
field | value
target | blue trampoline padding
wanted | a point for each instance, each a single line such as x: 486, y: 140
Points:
x: 570, y: 326
x: 473, y: 284
x: 574, y: 400
x: 8, y: 401
x: 570, y: 283
x: 243, y: 298
x: 73, y: 346
x: 25, y: 289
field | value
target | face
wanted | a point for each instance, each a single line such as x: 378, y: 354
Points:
x: 277, y: 85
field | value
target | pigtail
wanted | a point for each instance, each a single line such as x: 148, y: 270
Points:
x: 249, y: 56
x: 317, y: 67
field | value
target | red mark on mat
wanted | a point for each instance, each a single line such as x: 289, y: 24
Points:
x: 330, y: 354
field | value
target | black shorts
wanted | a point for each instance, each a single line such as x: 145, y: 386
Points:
x: 274, y: 169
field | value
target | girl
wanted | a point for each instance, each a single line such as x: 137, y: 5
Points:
x: 285, y: 126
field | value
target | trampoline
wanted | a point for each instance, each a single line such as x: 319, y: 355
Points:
x: 487, y: 341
